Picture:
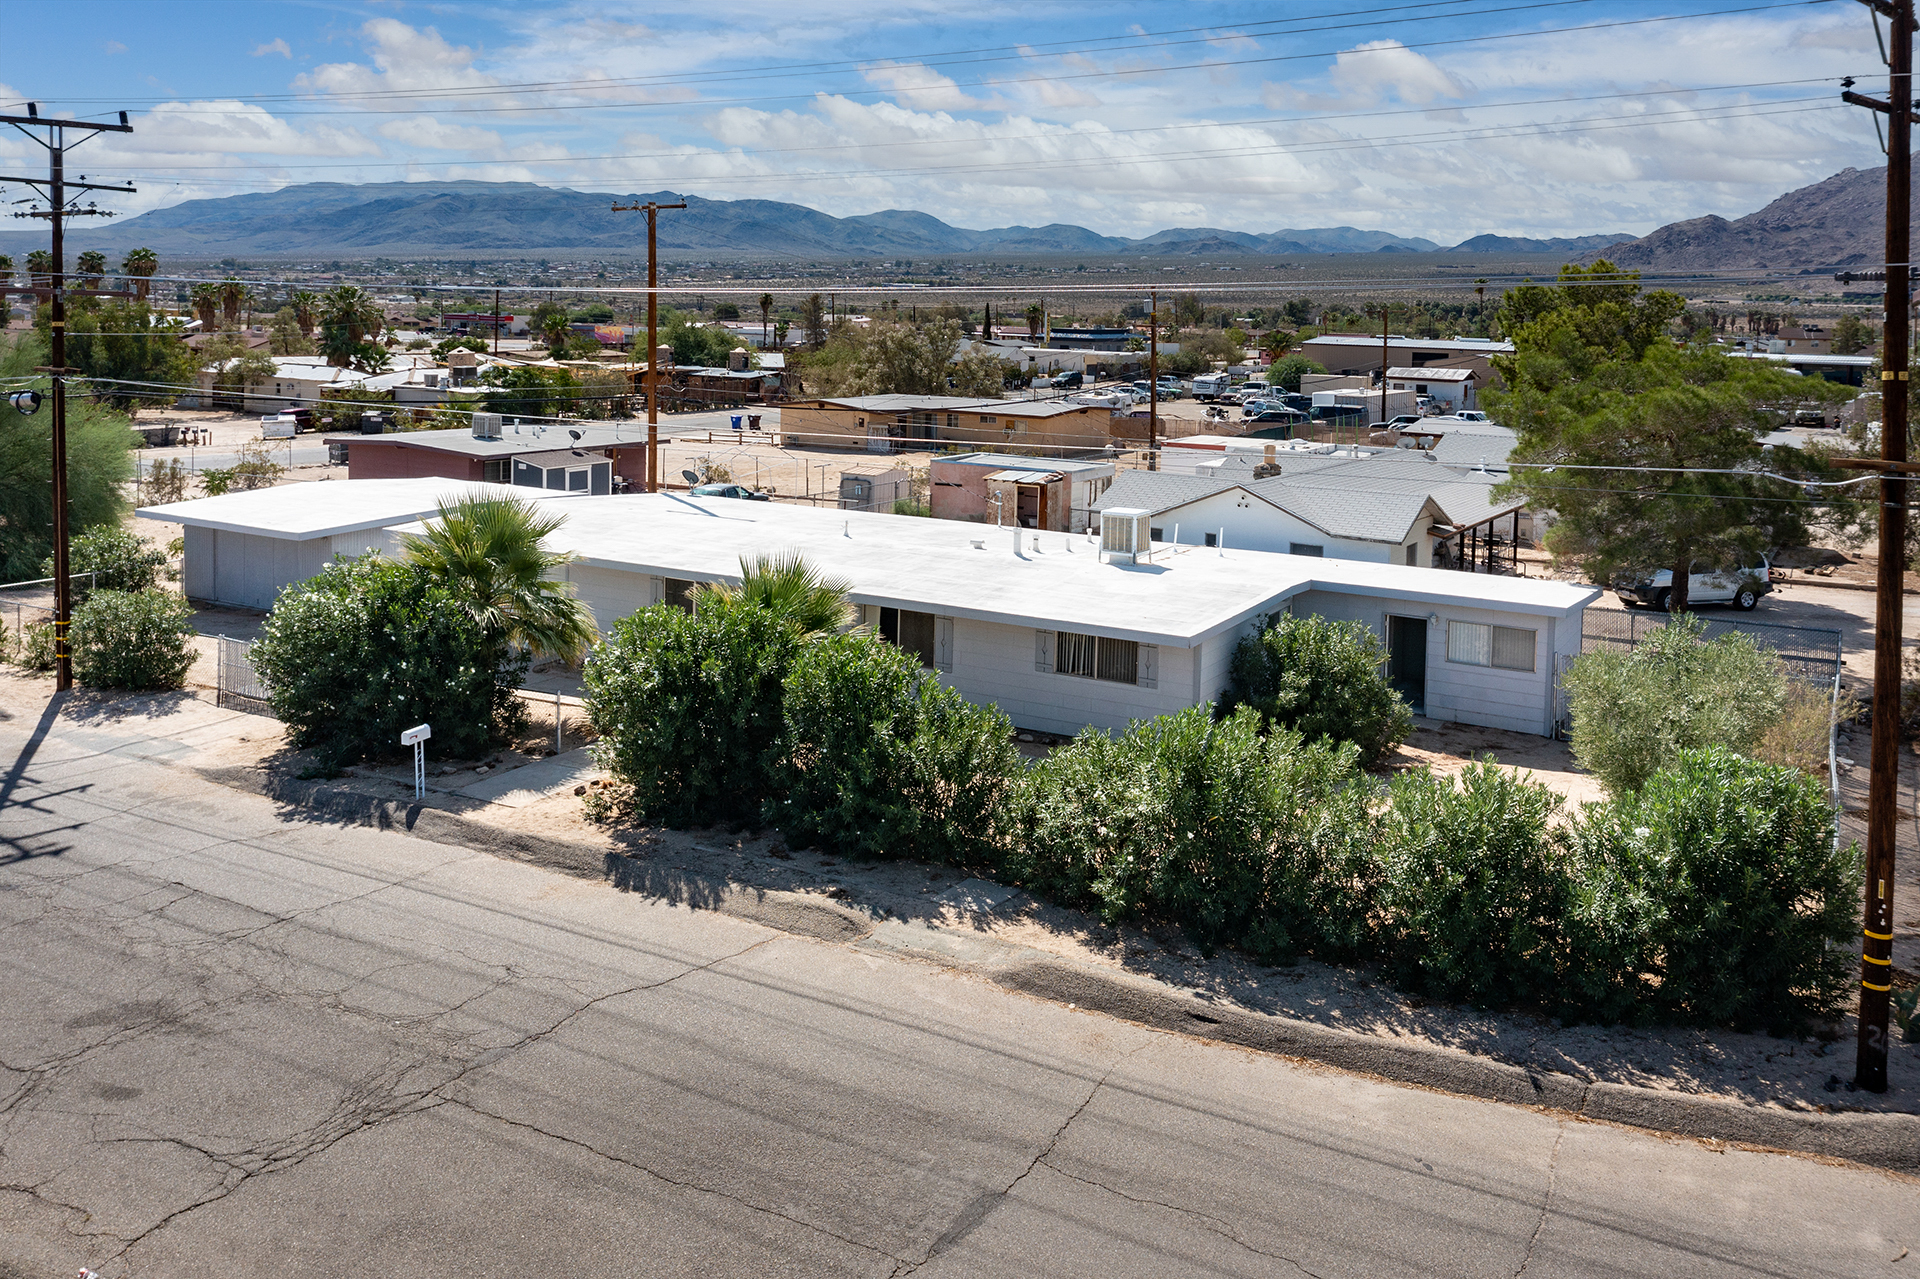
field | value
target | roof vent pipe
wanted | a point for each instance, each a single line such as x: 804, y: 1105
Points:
x: 1223, y: 542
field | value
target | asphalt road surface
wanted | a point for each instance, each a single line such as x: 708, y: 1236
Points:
x: 239, y: 1042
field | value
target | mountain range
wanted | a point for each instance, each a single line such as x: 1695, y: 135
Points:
x: 1838, y: 222
x: 493, y: 219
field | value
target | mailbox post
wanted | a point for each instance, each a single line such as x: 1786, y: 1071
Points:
x: 416, y: 737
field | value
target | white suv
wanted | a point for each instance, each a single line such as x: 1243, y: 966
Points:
x: 1741, y: 587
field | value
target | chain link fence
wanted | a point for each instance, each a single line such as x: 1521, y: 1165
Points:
x: 235, y: 684
x: 1809, y: 652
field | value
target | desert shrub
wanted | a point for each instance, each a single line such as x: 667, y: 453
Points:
x: 1800, y: 736
x: 1718, y: 894
x: 369, y: 647
x: 1635, y: 712
x: 36, y: 646
x: 132, y: 639
x: 1244, y: 838
x: 217, y: 480
x: 1321, y: 679
x: 118, y: 560
x: 882, y: 760
x: 166, y: 482
x: 689, y: 708
x: 1470, y: 890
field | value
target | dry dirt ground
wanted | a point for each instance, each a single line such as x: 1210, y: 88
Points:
x: 1805, y: 1074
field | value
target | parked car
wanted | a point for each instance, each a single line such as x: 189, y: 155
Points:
x: 729, y: 490
x: 1741, y: 586
x: 1274, y: 413
x: 1470, y: 415
x: 1404, y: 419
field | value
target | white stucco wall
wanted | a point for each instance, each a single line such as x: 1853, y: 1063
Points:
x: 1520, y: 701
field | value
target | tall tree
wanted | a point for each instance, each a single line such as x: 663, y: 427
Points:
x: 205, y: 300
x: 349, y: 321
x: 813, y: 319
x: 1648, y: 451
x: 766, y: 315
x: 1036, y: 317
x: 6, y: 268
x: 233, y: 296
x: 306, y: 309
x: 91, y: 267
x: 140, y: 266
x: 99, y: 463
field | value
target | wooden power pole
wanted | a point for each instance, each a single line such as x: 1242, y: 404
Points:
x: 652, y: 209
x: 1153, y: 380
x: 1883, y: 782
x: 53, y: 189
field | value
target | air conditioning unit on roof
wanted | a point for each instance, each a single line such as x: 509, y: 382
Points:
x: 1126, y: 531
x: 486, y: 426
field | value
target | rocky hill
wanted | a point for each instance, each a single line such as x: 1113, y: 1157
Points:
x: 507, y: 219
x: 1840, y: 222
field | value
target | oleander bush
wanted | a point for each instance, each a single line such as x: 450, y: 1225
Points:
x: 1322, y: 679
x: 132, y: 639
x: 118, y: 560
x: 369, y: 647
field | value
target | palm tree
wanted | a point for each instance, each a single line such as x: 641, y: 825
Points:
x: 233, y: 295
x: 487, y: 552
x: 306, y: 309
x: 205, y: 300
x: 554, y: 329
x: 40, y: 267
x: 1036, y: 316
x: 139, y: 266
x: 766, y: 316
x: 91, y: 267
x: 348, y: 317
x: 6, y: 268
x: 787, y: 585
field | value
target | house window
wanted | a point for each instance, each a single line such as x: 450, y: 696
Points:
x: 1156, y: 535
x: 953, y: 421
x: 1306, y: 548
x: 494, y: 472
x: 1509, y: 648
x: 1413, y: 555
x: 911, y: 631
x: 678, y: 592
x: 988, y: 419
x: 1213, y: 539
x: 1097, y: 657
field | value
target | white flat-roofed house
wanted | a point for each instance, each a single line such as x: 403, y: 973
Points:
x: 1450, y: 389
x: 1061, y: 637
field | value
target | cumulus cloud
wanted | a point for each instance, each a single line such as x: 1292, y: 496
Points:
x: 275, y: 45
x: 919, y: 86
x: 434, y: 135
x: 403, y: 57
x: 114, y: 46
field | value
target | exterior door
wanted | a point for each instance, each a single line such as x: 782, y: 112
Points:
x: 1407, y: 660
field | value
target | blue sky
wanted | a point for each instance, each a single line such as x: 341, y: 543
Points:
x: 1437, y: 119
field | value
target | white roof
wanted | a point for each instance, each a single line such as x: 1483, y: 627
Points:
x: 1460, y: 346
x: 1180, y: 599
x: 1412, y: 374
x: 300, y: 512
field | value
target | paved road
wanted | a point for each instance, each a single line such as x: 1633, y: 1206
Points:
x: 237, y: 1042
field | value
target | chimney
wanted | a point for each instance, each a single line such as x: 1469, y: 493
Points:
x: 737, y: 360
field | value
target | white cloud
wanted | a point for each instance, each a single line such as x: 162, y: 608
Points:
x: 425, y: 131
x: 403, y: 57
x: 275, y: 45
x: 1383, y: 69
x: 918, y: 86
x: 114, y: 47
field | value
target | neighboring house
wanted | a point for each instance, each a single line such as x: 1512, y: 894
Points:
x: 1359, y: 353
x: 1450, y: 389
x: 1042, y: 493
x: 299, y: 381
x: 242, y: 549
x: 1802, y: 339
x: 1848, y: 370
x: 888, y: 422
x: 874, y: 488
x: 589, y: 464
x: 1397, y: 506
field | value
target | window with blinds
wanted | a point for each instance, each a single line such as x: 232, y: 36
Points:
x: 1509, y: 648
x: 1097, y: 657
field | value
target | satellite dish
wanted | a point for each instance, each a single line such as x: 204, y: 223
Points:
x: 575, y: 435
x: 689, y: 477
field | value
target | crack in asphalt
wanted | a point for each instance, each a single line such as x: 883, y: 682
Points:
x: 1217, y: 1225
x: 1546, y: 1204
x: 982, y: 1206
x: 656, y: 1174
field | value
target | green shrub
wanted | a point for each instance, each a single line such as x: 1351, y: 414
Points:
x: 118, y: 560
x: 1635, y: 712
x: 370, y: 647
x: 36, y: 646
x: 689, y: 709
x: 882, y: 760
x: 1470, y: 890
x: 1322, y: 679
x: 1243, y: 839
x: 132, y: 639
x: 1718, y: 893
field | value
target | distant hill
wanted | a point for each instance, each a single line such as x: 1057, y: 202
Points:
x: 1839, y: 222
x: 498, y: 219
x: 1521, y: 244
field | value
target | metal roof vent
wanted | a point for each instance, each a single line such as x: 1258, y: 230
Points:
x: 486, y: 426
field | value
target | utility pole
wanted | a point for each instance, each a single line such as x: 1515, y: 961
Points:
x: 1883, y: 782
x: 652, y: 209
x: 496, y: 322
x: 53, y: 188
x: 1153, y: 380
x: 1385, y: 310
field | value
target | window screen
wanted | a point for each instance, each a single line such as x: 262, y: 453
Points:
x: 1470, y: 643
x: 1118, y: 660
x: 679, y: 593
x: 916, y: 635
x: 1512, y: 648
